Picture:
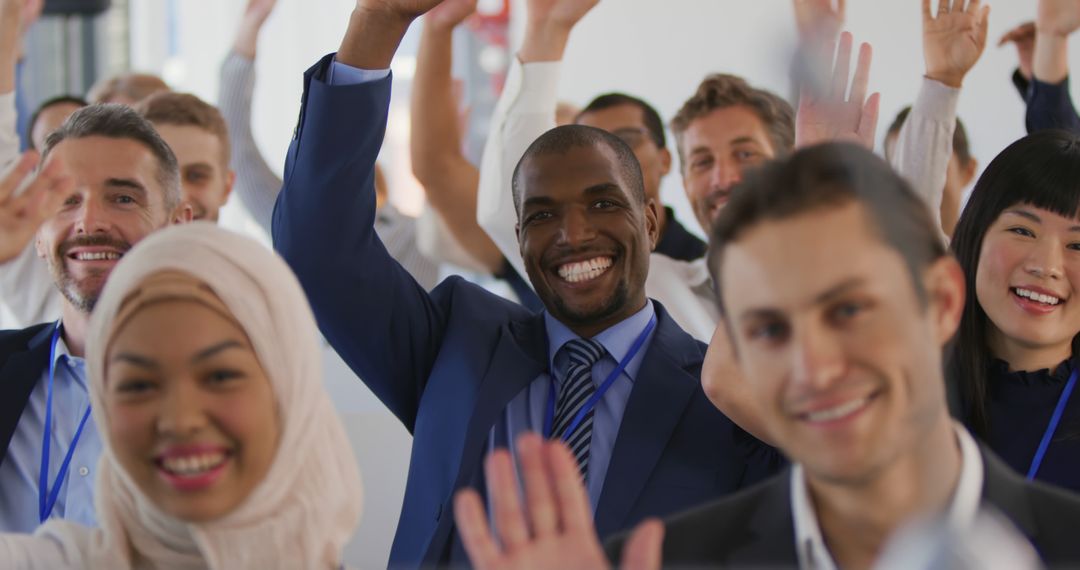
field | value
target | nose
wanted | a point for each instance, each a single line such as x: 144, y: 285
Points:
x: 817, y: 358
x: 576, y: 227
x: 91, y: 218
x: 181, y: 411
x: 1045, y: 260
x: 724, y: 175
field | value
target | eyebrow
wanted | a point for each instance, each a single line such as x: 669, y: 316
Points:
x: 125, y: 183
x: 603, y: 188
x: 823, y: 297
x: 145, y: 362
x: 1034, y: 218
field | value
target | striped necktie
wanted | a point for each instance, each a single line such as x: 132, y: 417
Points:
x: 577, y: 388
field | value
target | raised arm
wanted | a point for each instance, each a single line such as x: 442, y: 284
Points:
x: 257, y: 184
x: 1050, y: 105
x: 525, y: 111
x: 21, y: 214
x: 379, y: 319
x: 953, y: 40
x: 828, y: 111
x: 450, y: 181
x: 11, y: 13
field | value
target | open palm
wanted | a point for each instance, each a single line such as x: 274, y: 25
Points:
x: 561, y: 12
x: 451, y: 12
x: 954, y: 38
x: 22, y: 214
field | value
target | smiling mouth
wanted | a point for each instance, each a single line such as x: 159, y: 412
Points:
x: 1042, y: 299
x: 192, y: 465
x: 581, y: 271
x: 96, y: 256
x: 839, y: 411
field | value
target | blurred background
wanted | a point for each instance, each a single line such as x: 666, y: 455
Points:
x: 655, y: 50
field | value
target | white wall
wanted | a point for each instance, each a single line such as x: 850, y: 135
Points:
x: 656, y: 49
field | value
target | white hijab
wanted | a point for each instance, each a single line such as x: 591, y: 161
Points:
x: 303, y: 512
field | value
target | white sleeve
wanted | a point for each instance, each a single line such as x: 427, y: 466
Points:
x: 27, y: 293
x: 525, y: 111
x: 924, y: 146
x: 9, y: 136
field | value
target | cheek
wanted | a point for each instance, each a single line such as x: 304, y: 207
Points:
x: 252, y: 421
x: 997, y: 262
x: 131, y: 429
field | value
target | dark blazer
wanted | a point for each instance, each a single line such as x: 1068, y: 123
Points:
x: 755, y: 528
x: 24, y: 357
x: 447, y: 363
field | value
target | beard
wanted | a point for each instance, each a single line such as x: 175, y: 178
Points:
x: 82, y: 293
x: 613, y: 304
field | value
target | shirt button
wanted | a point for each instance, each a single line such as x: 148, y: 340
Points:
x: 84, y: 471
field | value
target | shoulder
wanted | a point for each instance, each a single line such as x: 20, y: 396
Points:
x: 463, y: 297
x: 22, y: 340
x: 730, y: 530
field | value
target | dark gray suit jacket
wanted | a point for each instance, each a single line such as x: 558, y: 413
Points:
x: 755, y: 527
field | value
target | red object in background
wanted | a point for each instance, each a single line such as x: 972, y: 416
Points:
x: 492, y: 29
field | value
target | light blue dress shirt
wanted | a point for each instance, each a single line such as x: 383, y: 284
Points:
x: 526, y: 412
x: 20, y: 468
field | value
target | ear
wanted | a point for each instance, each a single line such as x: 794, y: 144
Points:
x: 230, y: 180
x: 945, y: 292
x: 665, y: 162
x: 652, y: 222
x: 183, y: 214
x: 967, y: 172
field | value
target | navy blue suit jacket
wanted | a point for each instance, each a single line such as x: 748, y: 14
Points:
x: 24, y: 356
x: 447, y: 363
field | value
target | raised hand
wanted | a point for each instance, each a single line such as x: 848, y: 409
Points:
x: 953, y: 39
x: 554, y: 529
x: 405, y: 9
x: 819, y: 20
x: 375, y: 31
x: 1058, y: 17
x: 450, y: 14
x: 832, y: 114
x: 1023, y: 36
x: 22, y: 214
x: 727, y: 387
x: 255, y: 15
x: 548, y: 27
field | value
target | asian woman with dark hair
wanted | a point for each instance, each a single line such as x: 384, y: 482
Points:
x: 1013, y: 360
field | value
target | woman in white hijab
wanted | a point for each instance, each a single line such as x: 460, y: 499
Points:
x: 222, y: 448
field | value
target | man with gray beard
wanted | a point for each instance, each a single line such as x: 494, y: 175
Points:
x: 126, y: 184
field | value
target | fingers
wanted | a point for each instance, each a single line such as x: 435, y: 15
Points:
x: 926, y: 13
x: 644, y: 549
x: 503, y: 489
x: 538, y: 493
x: 841, y: 8
x: 17, y: 174
x: 867, y: 129
x: 973, y: 7
x: 862, y: 74
x: 472, y: 525
x: 569, y: 491
x: 843, y: 66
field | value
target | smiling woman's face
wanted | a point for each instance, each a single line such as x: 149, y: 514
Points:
x: 1029, y: 267
x: 192, y: 416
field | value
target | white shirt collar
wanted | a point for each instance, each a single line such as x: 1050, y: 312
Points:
x: 809, y: 543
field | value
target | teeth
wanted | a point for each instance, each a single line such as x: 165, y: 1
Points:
x: 1044, y: 299
x: 193, y: 464
x: 838, y: 411
x: 97, y: 256
x: 584, y: 270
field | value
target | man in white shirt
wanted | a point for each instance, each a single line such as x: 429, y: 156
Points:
x: 839, y: 299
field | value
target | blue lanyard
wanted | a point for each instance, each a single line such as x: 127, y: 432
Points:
x: 549, y: 417
x: 1055, y: 419
x: 47, y: 499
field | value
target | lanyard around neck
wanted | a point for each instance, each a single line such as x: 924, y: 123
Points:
x: 1055, y: 419
x: 549, y: 417
x: 47, y: 498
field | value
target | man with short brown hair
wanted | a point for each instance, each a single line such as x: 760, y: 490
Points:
x: 196, y: 132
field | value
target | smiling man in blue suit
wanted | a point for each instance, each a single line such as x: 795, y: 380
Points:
x: 603, y: 367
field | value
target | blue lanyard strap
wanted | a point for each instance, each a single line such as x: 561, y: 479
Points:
x: 549, y: 417
x: 1055, y: 419
x: 47, y: 498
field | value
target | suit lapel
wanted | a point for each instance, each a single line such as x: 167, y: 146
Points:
x: 770, y: 530
x: 18, y: 377
x: 520, y: 356
x: 662, y: 390
x: 1005, y: 490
